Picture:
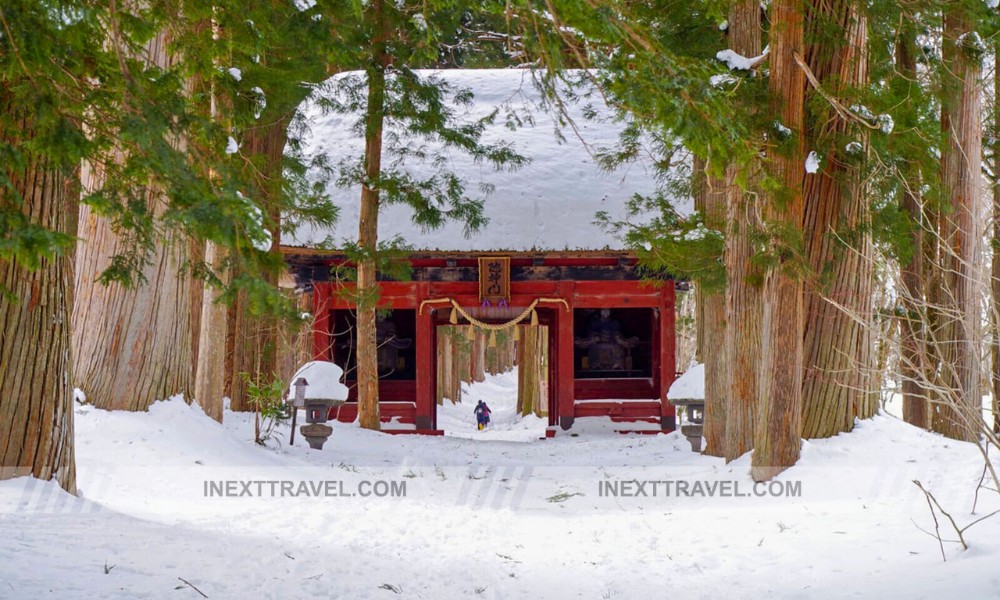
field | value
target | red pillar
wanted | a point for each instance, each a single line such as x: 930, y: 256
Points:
x: 425, y: 406
x: 668, y: 360
x: 565, y: 392
x: 321, y: 325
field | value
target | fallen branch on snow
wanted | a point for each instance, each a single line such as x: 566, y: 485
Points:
x: 192, y: 586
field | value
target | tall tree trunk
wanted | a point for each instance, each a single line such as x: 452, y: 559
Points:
x: 710, y: 199
x: 686, y: 318
x: 209, y: 316
x: 531, y: 369
x: 459, y: 362
x: 196, y: 292
x: 255, y: 337
x: 777, y: 431
x: 743, y: 278
x: 36, y: 389
x: 699, y: 306
x: 295, y: 340
x: 210, y: 371
x: 445, y: 339
x: 131, y: 347
x: 995, y: 267
x: 911, y: 364
x: 478, y: 357
x: 959, y: 334
x: 368, y: 411
x: 839, y: 354
x: 463, y: 354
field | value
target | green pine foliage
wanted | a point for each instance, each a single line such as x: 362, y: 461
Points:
x: 268, y: 401
x: 76, y: 90
x: 79, y: 89
x: 656, y: 62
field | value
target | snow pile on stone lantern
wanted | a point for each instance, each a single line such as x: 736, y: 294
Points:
x: 690, y: 385
x: 323, y: 378
x: 688, y: 392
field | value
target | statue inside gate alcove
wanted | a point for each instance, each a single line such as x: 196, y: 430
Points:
x: 607, y: 349
x: 388, y: 344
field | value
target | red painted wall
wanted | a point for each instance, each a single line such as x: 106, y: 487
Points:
x: 413, y: 401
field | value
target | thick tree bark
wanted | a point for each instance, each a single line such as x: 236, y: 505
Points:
x: 743, y: 278
x: 36, y: 390
x: 196, y: 292
x: 839, y: 353
x: 531, y: 351
x: 492, y: 358
x: 959, y: 334
x: 478, y: 357
x: 254, y: 340
x: 911, y: 364
x: 131, y: 347
x: 710, y: 199
x: 463, y: 355
x: 777, y: 431
x: 210, y: 371
x: 445, y: 339
x: 995, y: 267
x: 509, y: 357
x: 699, y: 310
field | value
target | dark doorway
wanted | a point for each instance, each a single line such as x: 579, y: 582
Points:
x: 396, y: 337
x: 613, y: 343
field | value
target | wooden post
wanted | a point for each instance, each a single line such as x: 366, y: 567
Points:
x: 542, y: 342
x: 522, y: 334
x: 565, y: 387
x: 425, y: 363
x: 455, y: 377
x: 442, y: 352
x: 668, y: 358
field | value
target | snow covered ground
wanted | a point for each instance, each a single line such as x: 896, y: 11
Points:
x: 486, y: 519
x: 499, y: 392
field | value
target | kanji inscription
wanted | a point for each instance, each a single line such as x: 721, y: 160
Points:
x: 494, y: 279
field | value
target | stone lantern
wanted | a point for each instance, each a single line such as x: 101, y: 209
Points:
x: 688, y: 392
x: 317, y: 412
x: 318, y: 394
x: 694, y: 428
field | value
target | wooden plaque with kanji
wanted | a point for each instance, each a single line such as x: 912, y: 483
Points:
x: 494, y: 279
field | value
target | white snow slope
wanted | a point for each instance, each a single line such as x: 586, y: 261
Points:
x: 488, y: 519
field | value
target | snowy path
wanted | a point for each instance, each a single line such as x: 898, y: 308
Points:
x: 486, y: 519
x: 500, y: 394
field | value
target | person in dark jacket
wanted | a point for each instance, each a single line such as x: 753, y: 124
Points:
x: 482, y: 415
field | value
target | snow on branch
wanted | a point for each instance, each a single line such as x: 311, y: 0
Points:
x: 737, y: 62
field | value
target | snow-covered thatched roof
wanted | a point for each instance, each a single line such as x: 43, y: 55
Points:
x: 549, y: 204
